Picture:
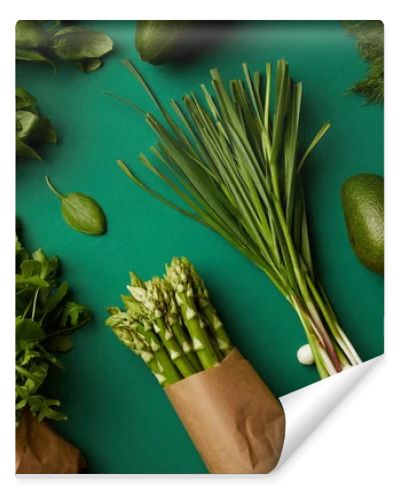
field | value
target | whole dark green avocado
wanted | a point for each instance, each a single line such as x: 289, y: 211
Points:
x: 159, y: 42
x: 363, y: 205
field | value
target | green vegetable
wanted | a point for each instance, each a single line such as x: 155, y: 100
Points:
x: 363, y: 205
x: 171, y: 324
x: 30, y: 35
x: 45, y: 319
x: 236, y: 163
x: 370, y: 43
x: 37, y: 41
x: 81, y: 212
x: 31, y: 128
x: 159, y: 42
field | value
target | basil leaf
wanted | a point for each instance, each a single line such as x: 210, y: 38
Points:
x: 74, y: 43
x: 81, y: 212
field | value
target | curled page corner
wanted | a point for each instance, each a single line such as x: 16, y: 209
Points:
x: 307, y: 408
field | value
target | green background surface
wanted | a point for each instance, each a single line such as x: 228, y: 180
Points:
x: 118, y: 415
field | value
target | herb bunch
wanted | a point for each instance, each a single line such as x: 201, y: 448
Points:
x: 171, y: 323
x: 234, y: 159
x: 45, y: 319
x: 370, y: 44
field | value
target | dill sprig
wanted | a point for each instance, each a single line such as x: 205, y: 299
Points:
x: 370, y: 43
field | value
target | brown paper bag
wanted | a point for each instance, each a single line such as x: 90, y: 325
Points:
x: 40, y: 450
x: 233, y: 419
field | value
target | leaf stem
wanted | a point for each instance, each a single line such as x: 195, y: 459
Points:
x: 53, y: 189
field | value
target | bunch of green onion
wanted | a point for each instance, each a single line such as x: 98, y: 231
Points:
x: 233, y: 158
x: 171, y: 324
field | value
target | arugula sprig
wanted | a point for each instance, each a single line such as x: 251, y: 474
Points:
x: 45, y: 318
x: 49, y: 42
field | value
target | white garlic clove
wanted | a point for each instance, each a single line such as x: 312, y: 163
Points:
x: 305, y: 355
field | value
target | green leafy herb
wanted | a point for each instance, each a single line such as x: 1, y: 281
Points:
x: 31, y: 128
x: 43, y: 42
x: 44, y: 321
x: 370, y: 43
x: 234, y: 160
x: 81, y: 212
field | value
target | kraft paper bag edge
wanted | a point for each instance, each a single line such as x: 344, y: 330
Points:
x: 232, y: 417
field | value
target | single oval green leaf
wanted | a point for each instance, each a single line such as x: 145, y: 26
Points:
x: 29, y: 34
x: 28, y: 124
x: 74, y: 43
x: 90, y: 65
x: 81, y: 212
x: 32, y: 55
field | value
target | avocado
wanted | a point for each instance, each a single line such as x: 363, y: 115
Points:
x: 363, y: 205
x: 159, y: 42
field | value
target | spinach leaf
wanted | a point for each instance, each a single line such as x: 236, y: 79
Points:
x: 36, y: 41
x: 31, y: 128
x: 81, y: 212
x: 30, y: 34
x: 32, y: 55
x: 74, y: 43
x: 89, y: 65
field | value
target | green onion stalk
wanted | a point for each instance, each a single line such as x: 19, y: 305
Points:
x: 171, y: 323
x: 234, y: 160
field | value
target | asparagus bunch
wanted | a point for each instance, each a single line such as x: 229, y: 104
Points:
x: 171, y: 323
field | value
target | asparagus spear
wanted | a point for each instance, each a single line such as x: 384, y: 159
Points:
x: 174, y: 321
x: 155, y: 357
x: 151, y: 300
x: 179, y: 280
x: 203, y: 299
